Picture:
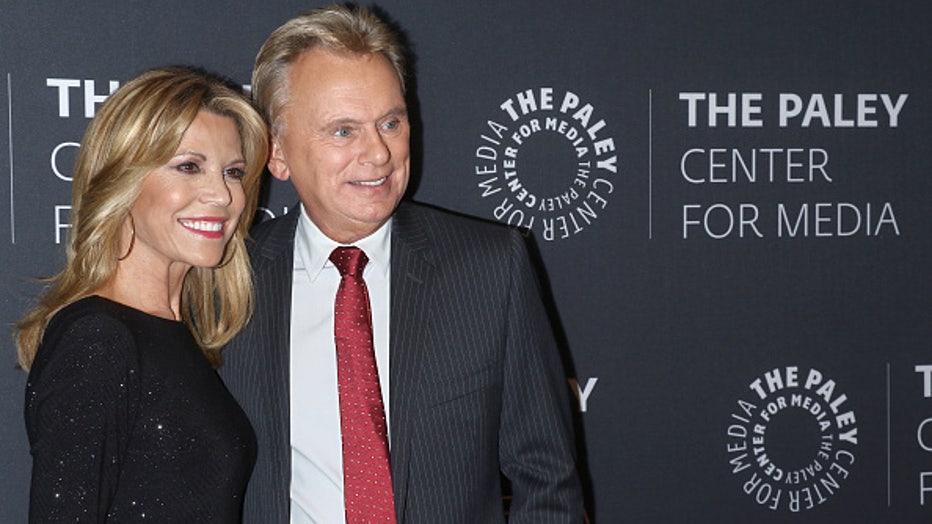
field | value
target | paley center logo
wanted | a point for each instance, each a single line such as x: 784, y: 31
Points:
x: 546, y: 162
x: 792, y: 441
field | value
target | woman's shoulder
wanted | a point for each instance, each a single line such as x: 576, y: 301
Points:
x: 86, y: 330
x: 89, y: 313
x: 87, y: 366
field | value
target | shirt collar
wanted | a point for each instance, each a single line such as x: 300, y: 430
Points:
x: 313, y: 248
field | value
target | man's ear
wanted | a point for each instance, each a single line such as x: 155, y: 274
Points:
x: 277, y: 165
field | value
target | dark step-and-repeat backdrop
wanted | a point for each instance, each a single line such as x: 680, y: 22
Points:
x: 731, y: 202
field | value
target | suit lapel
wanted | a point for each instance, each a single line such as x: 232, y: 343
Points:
x: 411, y: 273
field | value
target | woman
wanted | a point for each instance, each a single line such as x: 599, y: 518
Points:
x: 126, y: 417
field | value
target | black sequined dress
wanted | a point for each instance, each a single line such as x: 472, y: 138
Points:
x: 127, y: 422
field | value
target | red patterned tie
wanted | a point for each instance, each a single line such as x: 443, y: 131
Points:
x: 367, y: 480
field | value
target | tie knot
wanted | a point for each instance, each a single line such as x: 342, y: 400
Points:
x: 349, y: 260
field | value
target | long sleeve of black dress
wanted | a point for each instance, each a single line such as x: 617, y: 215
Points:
x: 81, y: 403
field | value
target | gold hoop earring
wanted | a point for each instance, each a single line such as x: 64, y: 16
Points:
x: 132, y: 239
x: 230, y: 253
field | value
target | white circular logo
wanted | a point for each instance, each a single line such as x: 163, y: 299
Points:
x: 545, y: 163
x: 793, y: 443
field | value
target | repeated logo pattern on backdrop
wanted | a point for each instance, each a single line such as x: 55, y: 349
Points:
x: 557, y: 191
x: 793, y: 440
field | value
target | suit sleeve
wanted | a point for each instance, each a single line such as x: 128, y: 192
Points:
x: 537, y: 452
x: 78, y: 419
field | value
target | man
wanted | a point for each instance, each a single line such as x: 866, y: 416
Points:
x: 467, y: 366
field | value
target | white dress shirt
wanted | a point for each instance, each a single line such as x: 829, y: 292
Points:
x: 316, y: 444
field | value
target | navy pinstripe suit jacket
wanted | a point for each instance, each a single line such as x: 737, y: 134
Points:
x: 478, y: 390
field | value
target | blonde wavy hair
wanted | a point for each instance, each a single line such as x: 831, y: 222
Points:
x: 348, y: 29
x: 136, y: 130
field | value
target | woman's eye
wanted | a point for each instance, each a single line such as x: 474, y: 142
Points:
x: 189, y: 167
x: 234, y: 172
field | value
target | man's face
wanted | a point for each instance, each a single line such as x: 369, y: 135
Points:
x: 344, y: 141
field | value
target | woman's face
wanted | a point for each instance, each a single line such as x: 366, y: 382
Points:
x: 188, y: 208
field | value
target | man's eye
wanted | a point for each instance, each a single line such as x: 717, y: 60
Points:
x: 343, y: 132
x: 234, y: 172
x: 391, y: 125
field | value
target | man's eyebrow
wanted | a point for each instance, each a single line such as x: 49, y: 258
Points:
x: 400, y: 111
x: 341, y: 121
x: 397, y: 111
